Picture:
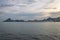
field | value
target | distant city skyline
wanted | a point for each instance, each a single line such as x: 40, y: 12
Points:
x: 29, y: 9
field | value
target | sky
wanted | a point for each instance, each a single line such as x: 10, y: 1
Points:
x: 29, y: 9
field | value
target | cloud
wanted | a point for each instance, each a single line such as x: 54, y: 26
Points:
x: 55, y: 14
x: 18, y: 6
x: 29, y: 9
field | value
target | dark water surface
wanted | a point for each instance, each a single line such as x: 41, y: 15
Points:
x: 29, y: 30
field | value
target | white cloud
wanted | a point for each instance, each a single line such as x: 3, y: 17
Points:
x: 24, y: 6
x: 30, y: 7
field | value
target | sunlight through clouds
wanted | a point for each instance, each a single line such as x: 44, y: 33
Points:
x: 16, y: 7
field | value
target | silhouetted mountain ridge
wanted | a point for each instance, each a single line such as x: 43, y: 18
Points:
x: 44, y: 20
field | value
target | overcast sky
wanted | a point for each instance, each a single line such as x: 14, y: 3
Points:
x: 29, y: 9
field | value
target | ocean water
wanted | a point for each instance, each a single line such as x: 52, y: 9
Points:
x: 29, y: 30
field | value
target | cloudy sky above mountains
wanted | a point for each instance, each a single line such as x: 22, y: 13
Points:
x: 29, y: 9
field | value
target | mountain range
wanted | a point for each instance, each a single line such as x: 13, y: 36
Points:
x: 44, y: 20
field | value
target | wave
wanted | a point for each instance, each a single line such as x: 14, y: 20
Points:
x: 11, y: 36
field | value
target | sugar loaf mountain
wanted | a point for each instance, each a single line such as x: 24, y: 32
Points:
x: 44, y: 20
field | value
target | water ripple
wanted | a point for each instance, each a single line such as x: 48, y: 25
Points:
x: 10, y: 36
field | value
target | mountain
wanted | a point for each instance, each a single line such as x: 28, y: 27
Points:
x: 10, y: 20
x: 44, y: 20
